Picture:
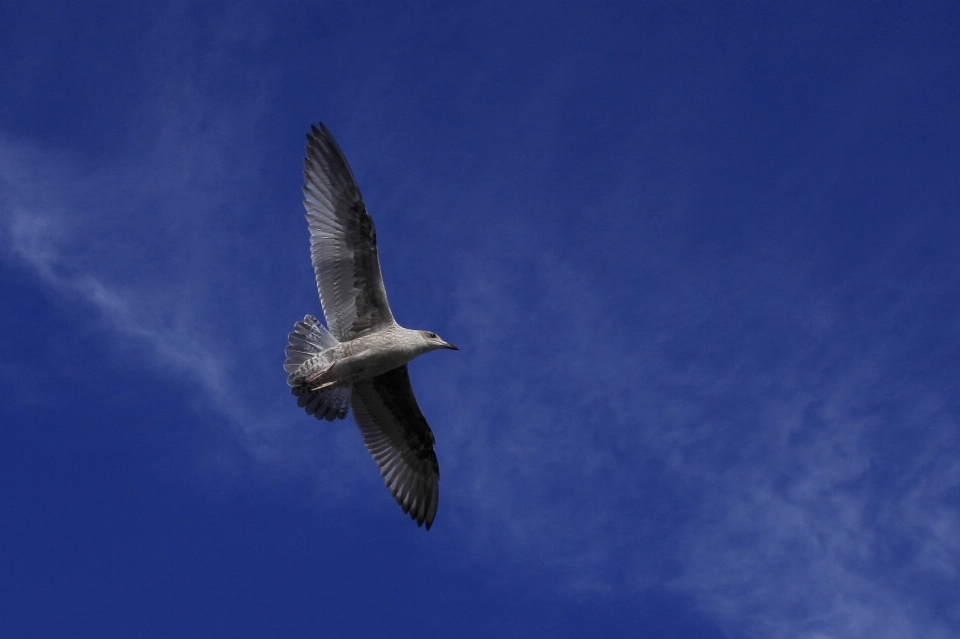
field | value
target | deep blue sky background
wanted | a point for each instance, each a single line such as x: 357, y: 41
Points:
x: 702, y: 262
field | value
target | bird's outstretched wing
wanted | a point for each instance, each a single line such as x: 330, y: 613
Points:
x: 400, y: 440
x: 343, y: 242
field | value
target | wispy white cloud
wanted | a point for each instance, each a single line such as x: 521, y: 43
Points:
x: 33, y: 238
x: 83, y: 249
x: 752, y: 442
x: 801, y: 542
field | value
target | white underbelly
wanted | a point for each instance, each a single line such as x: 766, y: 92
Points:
x: 366, y: 364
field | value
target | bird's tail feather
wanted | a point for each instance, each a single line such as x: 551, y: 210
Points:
x: 308, y: 338
x: 329, y: 403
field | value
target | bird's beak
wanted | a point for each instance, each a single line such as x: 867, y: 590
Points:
x: 452, y: 347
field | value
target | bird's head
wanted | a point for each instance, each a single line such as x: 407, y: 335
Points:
x: 433, y: 341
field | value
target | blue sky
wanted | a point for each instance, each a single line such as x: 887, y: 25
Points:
x: 701, y: 261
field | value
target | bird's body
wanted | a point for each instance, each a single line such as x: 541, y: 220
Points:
x: 360, y: 361
x: 362, y: 358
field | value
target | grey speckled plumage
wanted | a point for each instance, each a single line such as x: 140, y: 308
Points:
x: 362, y: 359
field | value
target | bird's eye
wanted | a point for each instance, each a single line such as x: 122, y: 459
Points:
x: 432, y: 335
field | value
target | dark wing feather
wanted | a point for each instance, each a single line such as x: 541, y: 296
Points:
x: 400, y: 440
x: 343, y: 242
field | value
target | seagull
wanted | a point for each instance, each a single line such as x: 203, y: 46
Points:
x: 360, y: 361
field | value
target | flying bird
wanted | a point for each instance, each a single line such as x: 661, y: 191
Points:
x: 361, y: 360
